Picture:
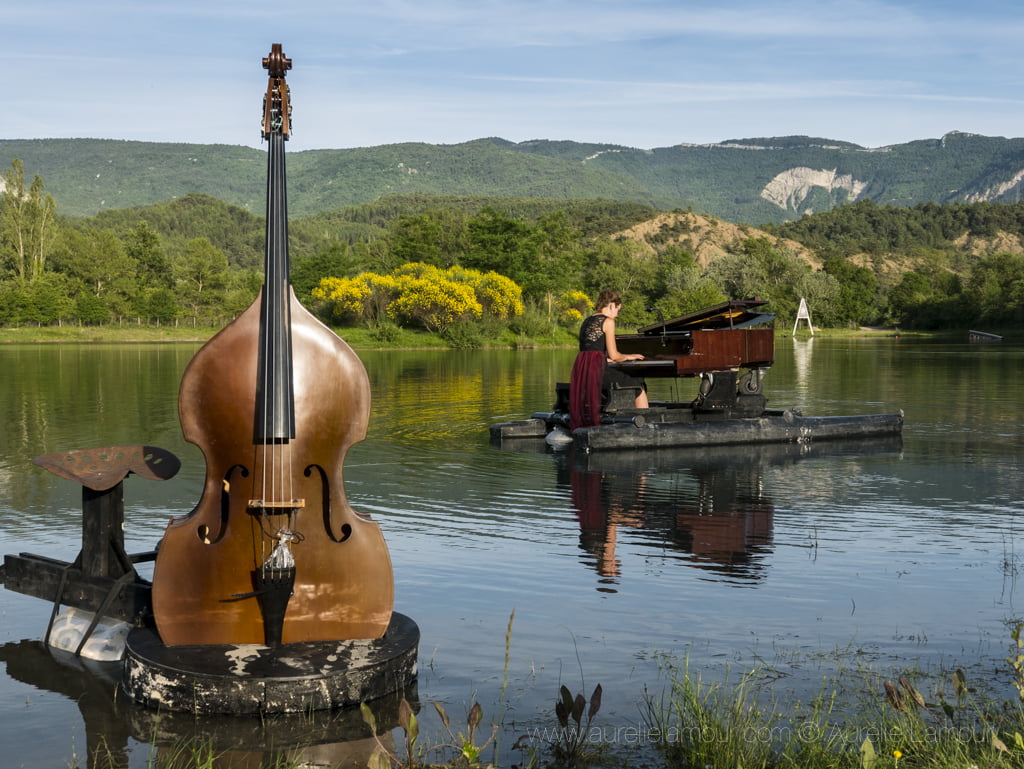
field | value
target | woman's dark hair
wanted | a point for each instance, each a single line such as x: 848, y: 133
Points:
x: 607, y: 297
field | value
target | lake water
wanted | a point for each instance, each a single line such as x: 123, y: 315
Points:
x: 805, y: 559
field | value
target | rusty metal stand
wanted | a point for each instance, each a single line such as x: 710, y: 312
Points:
x: 102, y: 578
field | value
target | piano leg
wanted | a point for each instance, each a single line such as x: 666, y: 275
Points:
x: 722, y: 396
x: 717, y: 390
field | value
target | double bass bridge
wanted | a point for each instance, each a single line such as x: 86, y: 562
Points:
x: 275, y: 507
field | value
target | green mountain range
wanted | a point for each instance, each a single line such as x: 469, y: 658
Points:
x: 755, y: 181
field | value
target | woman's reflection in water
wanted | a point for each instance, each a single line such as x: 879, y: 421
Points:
x: 719, y: 515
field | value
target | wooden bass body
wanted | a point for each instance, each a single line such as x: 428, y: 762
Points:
x: 204, y: 577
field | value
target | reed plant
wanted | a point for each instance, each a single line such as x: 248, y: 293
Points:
x: 460, y: 749
x: 457, y: 749
x: 699, y: 725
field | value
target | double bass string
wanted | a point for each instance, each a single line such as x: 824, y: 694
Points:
x: 265, y: 435
x: 277, y: 406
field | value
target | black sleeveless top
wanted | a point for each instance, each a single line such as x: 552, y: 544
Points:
x: 592, y: 335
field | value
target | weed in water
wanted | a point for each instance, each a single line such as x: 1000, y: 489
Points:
x: 572, y: 746
x: 1016, y: 659
x: 461, y: 749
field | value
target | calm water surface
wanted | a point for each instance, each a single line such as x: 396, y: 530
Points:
x: 805, y: 559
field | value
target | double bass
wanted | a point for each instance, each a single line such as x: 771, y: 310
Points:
x: 272, y: 552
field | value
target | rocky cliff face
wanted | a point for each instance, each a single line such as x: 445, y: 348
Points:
x: 791, y: 189
x: 997, y: 191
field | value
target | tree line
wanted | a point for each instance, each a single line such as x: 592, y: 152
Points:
x: 959, y: 265
x: 198, y: 261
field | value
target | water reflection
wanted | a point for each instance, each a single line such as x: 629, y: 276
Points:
x: 802, y: 366
x: 92, y: 688
x: 712, y: 505
x: 324, y: 738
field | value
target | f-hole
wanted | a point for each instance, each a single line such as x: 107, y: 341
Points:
x: 203, y: 531
x: 325, y: 497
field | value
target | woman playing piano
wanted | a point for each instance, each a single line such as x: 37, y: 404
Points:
x: 591, y: 373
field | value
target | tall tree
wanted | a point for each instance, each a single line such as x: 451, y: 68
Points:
x: 857, y: 300
x: 336, y: 260
x: 629, y: 268
x: 27, y: 223
x: 144, y: 246
x: 99, y: 261
x: 559, y: 256
x: 996, y: 288
x: 437, y: 237
x: 764, y: 270
x: 501, y: 244
x: 686, y: 288
x: 201, y: 273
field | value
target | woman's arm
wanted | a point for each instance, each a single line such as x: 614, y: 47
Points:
x: 612, y: 351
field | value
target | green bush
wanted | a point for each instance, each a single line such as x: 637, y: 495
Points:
x: 464, y: 335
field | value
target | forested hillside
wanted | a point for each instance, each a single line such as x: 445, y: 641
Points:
x: 505, y: 269
x: 755, y: 181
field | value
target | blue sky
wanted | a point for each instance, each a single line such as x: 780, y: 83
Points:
x: 641, y: 73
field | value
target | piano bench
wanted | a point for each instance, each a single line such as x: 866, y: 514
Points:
x: 620, y: 397
x: 612, y: 399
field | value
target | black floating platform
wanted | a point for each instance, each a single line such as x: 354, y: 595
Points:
x: 249, y: 679
x: 660, y: 427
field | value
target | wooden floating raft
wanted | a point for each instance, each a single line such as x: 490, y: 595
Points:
x: 255, y: 679
x: 660, y: 427
x: 983, y: 337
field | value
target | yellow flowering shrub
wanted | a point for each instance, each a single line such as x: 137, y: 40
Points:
x: 424, y: 294
x: 500, y: 297
x: 573, y: 306
x: 415, y: 270
x: 345, y: 296
x: 383, y: 290
x: 433, y: 301
x: 462, y: 274
x: 364, y: 297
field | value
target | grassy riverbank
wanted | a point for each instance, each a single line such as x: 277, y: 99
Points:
x: 112, y: 334
x: 859, y: 719
x: 358, y: 338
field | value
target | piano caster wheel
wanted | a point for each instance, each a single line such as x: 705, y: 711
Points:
x: 750, y: 383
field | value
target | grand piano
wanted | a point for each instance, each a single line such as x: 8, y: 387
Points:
x: 714, y: 344
x: 730, y: 347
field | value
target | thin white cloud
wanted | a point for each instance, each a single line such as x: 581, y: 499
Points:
x: 636, y: 72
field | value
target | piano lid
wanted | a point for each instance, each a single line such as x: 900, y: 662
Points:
x: 736, y: 313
